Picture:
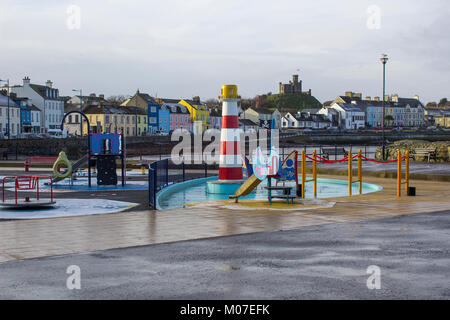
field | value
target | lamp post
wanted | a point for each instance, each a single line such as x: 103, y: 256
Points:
x: 7, y: 94
x: 81, y: 109
x: 136, y: 117
x: 384, y: 59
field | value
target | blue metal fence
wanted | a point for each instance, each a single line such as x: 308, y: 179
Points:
x: 164, y: 173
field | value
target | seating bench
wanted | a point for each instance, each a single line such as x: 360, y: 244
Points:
x: 288, y: 197
x: 326, y: 152
x: 39, y: 160
x: 429, y: 153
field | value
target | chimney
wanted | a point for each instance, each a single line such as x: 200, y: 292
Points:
x: 376, y: 99
x: 357, y: 95
x: 349, y: 94
x: 49, y: 83
x: 26, y: 81
x: 196, y: 99
x: 386, y: 98
x: 394, y: 98
x: 368, y: 98
x: 92, y: 95
x: 416, y: 97
x: 101, y: 96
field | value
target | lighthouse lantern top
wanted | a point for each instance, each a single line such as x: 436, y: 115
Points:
x: 229, y: 91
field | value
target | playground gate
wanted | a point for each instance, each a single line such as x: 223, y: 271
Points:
x: 164, y: 173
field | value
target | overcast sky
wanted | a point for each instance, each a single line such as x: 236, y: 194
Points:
x: 182, y: 48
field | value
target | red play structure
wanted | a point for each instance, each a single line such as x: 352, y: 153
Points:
x: 27, y: 183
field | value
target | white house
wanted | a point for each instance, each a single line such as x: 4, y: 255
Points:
x: 46, y: 98
x: 14, y: 116
x: 352, y: 117
x: 262, y: 117
x: 305, y: 120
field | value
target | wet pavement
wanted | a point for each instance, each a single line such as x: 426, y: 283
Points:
x: 317, y: 262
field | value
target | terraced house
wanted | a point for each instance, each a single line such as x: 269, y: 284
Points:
x: 149, y: 105
x: 199, y: 114
x: 14, y: 116
x: 47, y: 99
x: 179, y: 117
x: 399, y: 112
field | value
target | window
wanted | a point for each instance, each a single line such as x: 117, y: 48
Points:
x: 106, y: 118
x: 153, y: 109
x: 152, y: 120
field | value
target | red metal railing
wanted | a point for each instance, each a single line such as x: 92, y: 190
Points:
x: 26, y: 183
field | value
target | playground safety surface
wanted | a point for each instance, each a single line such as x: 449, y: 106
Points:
x: 49, y: 237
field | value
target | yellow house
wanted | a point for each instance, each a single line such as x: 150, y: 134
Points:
x: 442, y: 121
x: 109, y: 119
x: 199, y: 114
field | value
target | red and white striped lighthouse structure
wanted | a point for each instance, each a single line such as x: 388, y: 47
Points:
x: 230, y: 163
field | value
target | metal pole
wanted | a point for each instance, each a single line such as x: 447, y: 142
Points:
x: 384, y: 60
x: 81, y: 110
x: 303, y: 173
x: 135, y: 120
x: 350, y: 172
x: 360, y: 170
x: 9, y: 125
x: 399, y: 173
x: 315, y: 172
x: 407, y: 171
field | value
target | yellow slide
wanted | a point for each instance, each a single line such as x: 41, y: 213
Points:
x: 246, y: 188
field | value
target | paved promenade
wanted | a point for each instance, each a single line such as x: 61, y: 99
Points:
x: 50, y: 237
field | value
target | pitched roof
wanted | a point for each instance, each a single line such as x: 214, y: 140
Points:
x: 42, y: 91
x: 247, y: 122
x: 134, y: 110
x: 350, y: 107
x: 104, y: 109
x: 148, y: 98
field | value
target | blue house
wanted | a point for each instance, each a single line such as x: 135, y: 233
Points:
x: 151, y: 107
x: 164, y: 119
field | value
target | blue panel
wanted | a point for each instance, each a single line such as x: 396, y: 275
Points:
x: 114, y: 143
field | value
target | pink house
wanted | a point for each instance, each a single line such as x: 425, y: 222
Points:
x: 180, y: 118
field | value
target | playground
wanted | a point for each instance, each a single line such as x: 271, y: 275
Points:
x: 282, y: 206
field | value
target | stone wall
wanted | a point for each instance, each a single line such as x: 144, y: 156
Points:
x: 77, y: 147
x: 442, y: 149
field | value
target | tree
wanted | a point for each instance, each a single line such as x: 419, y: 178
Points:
x: 442, y: 102
x: 116, y: 100
x: 212, y: 103
x: 432, y: 104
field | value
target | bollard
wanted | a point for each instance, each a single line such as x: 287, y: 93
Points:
x: 399, y: 174
x: 350, y: 172
x: 315, y: 173
x: 303, y: 173
x: 360, y: 170
x: 407, y: 172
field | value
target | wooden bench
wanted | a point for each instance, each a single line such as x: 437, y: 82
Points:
x: 4, y: 153
x: 288, y: 197
x: 326, y: 152
x: 429, y: 153
x: 39, y: 160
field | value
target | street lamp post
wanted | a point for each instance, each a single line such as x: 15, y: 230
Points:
x: 81, y: 109
x: 384, y: 59
x: 7, y: 94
